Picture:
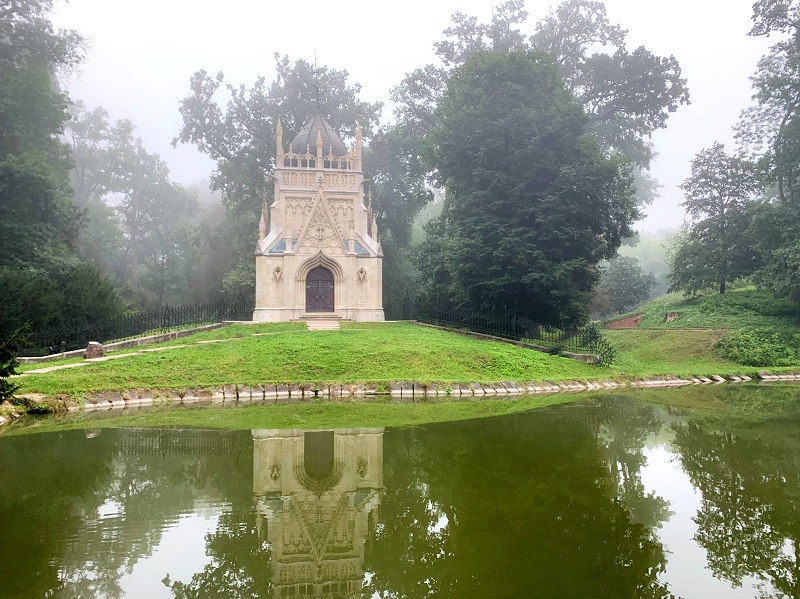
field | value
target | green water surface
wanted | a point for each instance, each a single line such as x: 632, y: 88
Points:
x: 610, y: 496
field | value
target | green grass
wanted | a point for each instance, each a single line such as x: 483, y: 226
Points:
x: 287, y: 416
x: 645, y: 352
x: 758, y: 330
x: 736, y: 309
x: 377, y: 353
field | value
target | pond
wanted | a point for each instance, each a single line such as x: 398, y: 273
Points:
x: 609, y: 496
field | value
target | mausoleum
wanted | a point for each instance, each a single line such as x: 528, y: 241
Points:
x: 318, y: 251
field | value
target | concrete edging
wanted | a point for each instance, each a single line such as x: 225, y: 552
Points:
x: 399, y: 391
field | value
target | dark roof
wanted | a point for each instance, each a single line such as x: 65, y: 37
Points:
x: 307, y: 138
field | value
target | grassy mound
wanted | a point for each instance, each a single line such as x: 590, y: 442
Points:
x: 259, y: 354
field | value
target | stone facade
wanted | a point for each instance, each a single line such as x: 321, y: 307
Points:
x: 318, y: 251
x: 317, y: 495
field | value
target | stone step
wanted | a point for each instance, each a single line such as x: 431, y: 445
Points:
x: 322, y: 325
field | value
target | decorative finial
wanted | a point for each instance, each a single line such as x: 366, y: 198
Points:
x: 279, y: 139
x: 262, y: 224
x: 316, y: 79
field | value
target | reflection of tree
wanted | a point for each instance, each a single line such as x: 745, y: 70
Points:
x: 49, y: 481
x: 93, y: 507
x: 624, y: 432
x: 240, y: 561
x: 529, y: 504
x: 749, y: 522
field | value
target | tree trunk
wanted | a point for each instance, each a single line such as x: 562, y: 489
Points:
x: 722, y: 285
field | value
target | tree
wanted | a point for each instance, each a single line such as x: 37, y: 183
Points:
x: 241, y: 138
x: 770, y: 131
x: 627, y: 94
x: 716, y: 248
x: 9, y: 349
x: 38, y: 221
x: 533, y: 203
x: 41, y: 276
x: 625, y: 284
x: 771, y: 128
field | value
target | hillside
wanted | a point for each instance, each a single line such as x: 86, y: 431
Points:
x: 745, y: 326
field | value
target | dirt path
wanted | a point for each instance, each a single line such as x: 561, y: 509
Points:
x: 630, y: 322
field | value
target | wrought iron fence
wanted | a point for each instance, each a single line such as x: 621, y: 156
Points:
x: 579, y: 339
x: 73, y: 336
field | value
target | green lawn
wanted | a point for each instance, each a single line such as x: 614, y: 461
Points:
x: 642, y: 352
x: 258, y: 354
x: 377, y: 353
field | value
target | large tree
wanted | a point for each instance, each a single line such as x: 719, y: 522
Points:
x: 38, y: 221
x: 241, y: 137
x: 628, y: 94
x: 534, y: 203
x: 717, y: 247
x: 42, y: 280
x: 770, y: 131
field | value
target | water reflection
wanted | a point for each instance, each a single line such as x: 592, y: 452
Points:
x: 749, y: 519
x: 317, y: 496
x: 561, y: 502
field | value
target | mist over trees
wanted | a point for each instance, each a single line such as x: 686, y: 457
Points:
x: 744, y: 209
x: 42, y: 279
x: 84, y: 204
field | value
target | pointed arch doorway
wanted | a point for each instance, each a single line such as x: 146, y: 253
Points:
x: 319, y: 290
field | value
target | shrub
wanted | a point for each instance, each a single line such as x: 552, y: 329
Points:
x: 761, y: 347
x: 8, y: 363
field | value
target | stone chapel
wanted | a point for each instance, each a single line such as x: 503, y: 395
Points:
x: 318, y: 252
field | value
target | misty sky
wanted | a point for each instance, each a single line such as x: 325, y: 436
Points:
x: 143, y: 54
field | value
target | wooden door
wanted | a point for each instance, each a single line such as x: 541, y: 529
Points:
x: 319, y: 290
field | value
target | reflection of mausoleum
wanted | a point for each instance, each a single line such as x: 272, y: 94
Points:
x: 317, y: 495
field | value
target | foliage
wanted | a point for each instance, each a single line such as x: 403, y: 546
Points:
x: 38, y: 221
x: 770, y: 131
x: 650, y: 249
x: 154, y: 238
x: 761, y: 347
x: 625, y: 284
x: 739, y: 308
x: 776, y: 229
x: 9, y: 349
x: 627, y: 94
x: 533, y: 203
x: 76, y: 294
x: 241, y: 138
x: 716, y: 248
x: 771, y: 128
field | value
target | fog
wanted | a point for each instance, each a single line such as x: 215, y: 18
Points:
x: 143, y: 53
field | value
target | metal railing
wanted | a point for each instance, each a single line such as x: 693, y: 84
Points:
x: 72, y: 336
x: 584, y: 339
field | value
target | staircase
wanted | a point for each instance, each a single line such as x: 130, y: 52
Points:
x: 321, y: 321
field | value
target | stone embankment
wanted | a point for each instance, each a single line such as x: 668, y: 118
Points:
x: 404, y: 391
x: 399, y: 391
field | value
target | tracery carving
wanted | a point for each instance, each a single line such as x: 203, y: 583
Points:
x: 320, y: 232
x: 277, y: 274
x: 361, y: 275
